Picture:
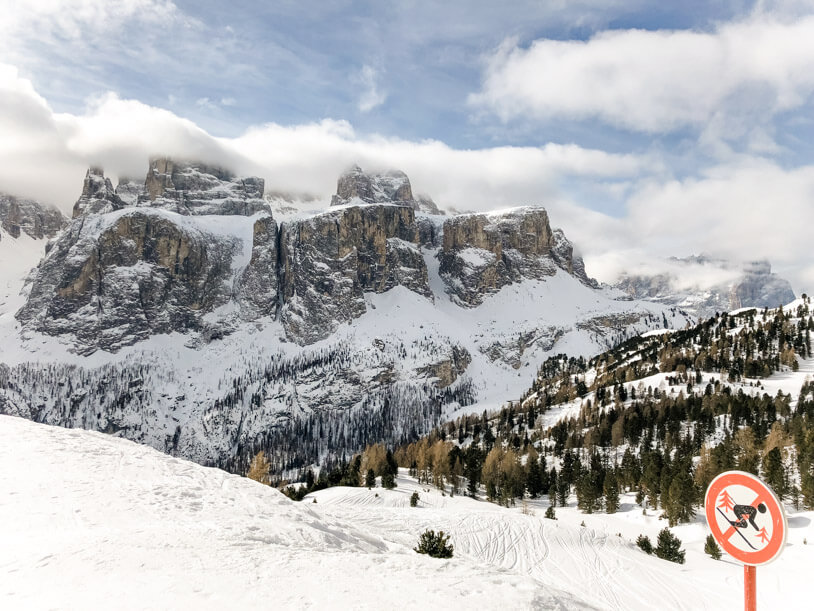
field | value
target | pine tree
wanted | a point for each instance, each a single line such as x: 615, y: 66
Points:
x: 775, y: 473
x: 534, y: 475
x: 611, y: 490
x: 711, y: 548
x: 370, y: 478
x: 434, y: 545
x: 679, y: 499
x: 644, y: 543
x: 668, y: 547
x: 388, y: 481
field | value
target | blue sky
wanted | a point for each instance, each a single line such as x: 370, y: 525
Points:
x: 229, y: 65
x: 647, y: 128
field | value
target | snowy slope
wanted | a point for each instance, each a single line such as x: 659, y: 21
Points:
x: 597, y: 564
x: 92, y: 522
x: 17, y: 257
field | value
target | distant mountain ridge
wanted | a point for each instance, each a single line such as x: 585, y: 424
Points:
x: 751, y: 285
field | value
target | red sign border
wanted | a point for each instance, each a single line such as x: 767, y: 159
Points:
x: 751, y: 481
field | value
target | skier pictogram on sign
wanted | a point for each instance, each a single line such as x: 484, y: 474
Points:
x: 746, y: 518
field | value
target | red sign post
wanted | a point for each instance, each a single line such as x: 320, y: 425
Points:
x: 748, y: 522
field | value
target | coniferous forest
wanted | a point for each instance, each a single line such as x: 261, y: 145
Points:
x: 660, y: 415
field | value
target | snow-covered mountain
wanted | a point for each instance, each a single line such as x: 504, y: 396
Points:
x: 182, y: 314
x: 703, y: 286
x: 93, y: 518
x: 26, y: 226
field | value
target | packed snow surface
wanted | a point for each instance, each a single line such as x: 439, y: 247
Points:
x: 89, y: 521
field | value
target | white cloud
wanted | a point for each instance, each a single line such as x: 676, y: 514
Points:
x: 206, y: 104
x: 748, y: 209
x: 656, y: 81
x: 77, y: 19
x: 228, y: 101
x: 371, y: 96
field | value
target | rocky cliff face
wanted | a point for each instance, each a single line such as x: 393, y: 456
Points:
x: 112, y: 280
x: 483, y: 252
x: 258, y: 287
x: 392, y: 187
x: 192, y: 188
x: 309, y: 274
x: 329, y: 261
x: 20, y: 215
x: 753, y: 285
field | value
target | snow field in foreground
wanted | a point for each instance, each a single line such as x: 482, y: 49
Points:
x: 88, y: 521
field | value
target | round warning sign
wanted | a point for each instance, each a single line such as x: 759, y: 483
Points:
x: 746, y: 518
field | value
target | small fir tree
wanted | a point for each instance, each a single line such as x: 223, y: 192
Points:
x: 414, y: 499
x: 549, y: 513
x: 669, y: 547
x: 711, y: 548
x: 643, y: 541
x: 434, y: 545
x: 370, y: 478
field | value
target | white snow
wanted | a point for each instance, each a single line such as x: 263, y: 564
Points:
x: 90, y: 522
x: 18, y: 256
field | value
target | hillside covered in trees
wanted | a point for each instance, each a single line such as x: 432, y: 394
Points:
x: 661, y: 415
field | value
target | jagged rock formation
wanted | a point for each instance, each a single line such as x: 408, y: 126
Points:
x: 754, y: 285
x: 310, y: 274
x: 112, y: 280
x: 329, y: 261
x: 20, y: 215
x: 192, y: 188
x: 392, y: 187
x: 98, y: 195
x: 483, y: 252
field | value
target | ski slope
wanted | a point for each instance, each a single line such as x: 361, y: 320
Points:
x: 597, y: 565
x: 89, y: 521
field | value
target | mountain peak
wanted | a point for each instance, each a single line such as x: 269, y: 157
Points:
x: 388, y: 187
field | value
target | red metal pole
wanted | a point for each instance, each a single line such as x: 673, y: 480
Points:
x: 749, y: 588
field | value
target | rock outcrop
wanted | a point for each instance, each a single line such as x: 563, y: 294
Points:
x: 98, y: 195
x: 483, y: 252
x: 19, y: 215
x: 112, y: 280
x: 393, y: 187
x: 192, y: 188
x: 330, y: 260
x: 257, y: 287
